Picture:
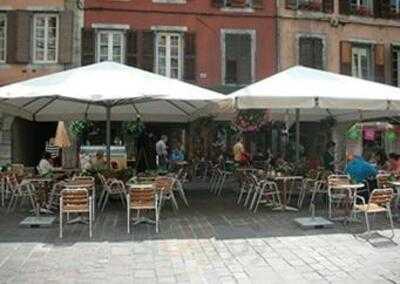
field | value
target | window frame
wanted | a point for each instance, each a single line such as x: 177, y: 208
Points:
x: 110, y: 44
x: 45, y: 60
x: 253, y: 42
x: 370, y: 66
x: 397, y: 8
x: 168, y: 57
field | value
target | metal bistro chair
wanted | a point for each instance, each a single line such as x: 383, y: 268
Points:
x: 20, y: 191
x: 4, y: 189
x: 142, y: 199
x: 336, y: 194
x: 87, y: 183
x: 308, y: 186
x: 379, y: 202
x: 268, y: 193
x: 166, y: 185
x: 246, y: 186
x: 111, y: 187
x: 383, y: 181
x: 180, y: 180
x: 216, y: 173
x: 76, y: 201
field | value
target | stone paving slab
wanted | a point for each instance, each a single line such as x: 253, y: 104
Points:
x: 214, y: 241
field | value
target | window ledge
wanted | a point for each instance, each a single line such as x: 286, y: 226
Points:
x: 238, y: 10
x: 4, y: 65
x: 169, y: 1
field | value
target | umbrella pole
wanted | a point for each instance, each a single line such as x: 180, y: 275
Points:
x: 297, y: 135
x: 108, y: 135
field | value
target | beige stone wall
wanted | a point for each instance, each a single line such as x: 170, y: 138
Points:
x: 23, y: 4
x: 350, y: 28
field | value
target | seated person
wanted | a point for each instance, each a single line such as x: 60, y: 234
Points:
x: 394, y: 163
x: 177, y: 154
x: 360, y: 170
x: 45, y: 166
x: 98, y: 162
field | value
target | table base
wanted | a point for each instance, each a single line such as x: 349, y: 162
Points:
x: 37, y: 222
x: 286, y: 208
x: 79, y: 219
x: 313, y: 223
x: 139, y: 220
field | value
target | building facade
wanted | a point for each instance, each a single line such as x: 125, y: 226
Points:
x: 212, y: 43
x: 37, y: 37
x: 353, y: 37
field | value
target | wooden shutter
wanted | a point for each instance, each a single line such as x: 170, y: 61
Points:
x: 189, y: 70
x: 378, y: 8
x: 19, y: 42
x: 217, y: 3
x: 379, y: 52
x: 318, y: 53
x: 258, y: 4
x: 328, y: 6
x: 148, y: 49
x: 291, y: 4
x: 344, y: 7
x: 131, y: 48
x: 345, y: 57
x: 65, y: 47
x: 306, y: 52
x: 88, y: 46
x: 394, y: 50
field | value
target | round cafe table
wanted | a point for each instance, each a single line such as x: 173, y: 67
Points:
x: 285, y: 181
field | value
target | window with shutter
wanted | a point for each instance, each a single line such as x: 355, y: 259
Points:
x: 361, y: 62
x: 395, y: 54
x: 357, y: 7
x: 88, y: 51
x: 110, y: 46
x: 311, y: 52
x: 345, y: 57
x: 169, y: 51
x: 3, y: 37
x: 239, y: 61
x: 45, y: 38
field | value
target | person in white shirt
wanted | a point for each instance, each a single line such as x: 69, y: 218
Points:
x: 162, y: 153
x: 45, y: 167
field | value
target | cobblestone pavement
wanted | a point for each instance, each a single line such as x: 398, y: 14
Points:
x: 213, y: 241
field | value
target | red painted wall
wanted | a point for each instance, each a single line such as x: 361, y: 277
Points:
x: 198, y: 16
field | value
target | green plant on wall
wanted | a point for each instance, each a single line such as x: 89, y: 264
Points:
x: 80, y: 128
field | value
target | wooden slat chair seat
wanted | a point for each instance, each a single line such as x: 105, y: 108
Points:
x: 142, y: 198
x: 379, y: 202
x: 383, y: 181
x: 76, y: 200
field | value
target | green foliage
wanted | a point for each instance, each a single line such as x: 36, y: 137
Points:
x: 134, y: 128
x: 354, y: 133
x: 79, y: 128
x: 391, y: 136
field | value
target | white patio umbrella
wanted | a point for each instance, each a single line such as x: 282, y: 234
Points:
x: 319, y: 94
x: 105, y: 91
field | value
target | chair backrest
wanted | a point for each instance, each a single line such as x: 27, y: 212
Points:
x: 83, y: 179
x: 12, y: 181
x: 164, y: 183
x: 383, y: 181
x: 334, y: 180
x: 142, y: 198
x: 75, y: 200
x: 381, y: 196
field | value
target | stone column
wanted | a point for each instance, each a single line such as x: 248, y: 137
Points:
x: 5, y: 138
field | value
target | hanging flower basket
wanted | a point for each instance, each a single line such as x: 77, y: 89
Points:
x: 251, y: 120
x: 134, y: 128
x: 80, y: 128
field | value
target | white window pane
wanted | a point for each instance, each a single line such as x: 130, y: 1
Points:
x: 39, y: 55
x: 162, y: 40
x: 174, y: 73
x: 51, y: 54
x: 52, y: 22
x: 174, y: 62
x: 40, y: 22
x: 103, y: 38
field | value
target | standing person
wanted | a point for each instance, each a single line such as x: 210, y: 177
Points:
x: 329, y: 156
x: 54, y: 151
x: 162, y: 153
x: 239, y: 153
